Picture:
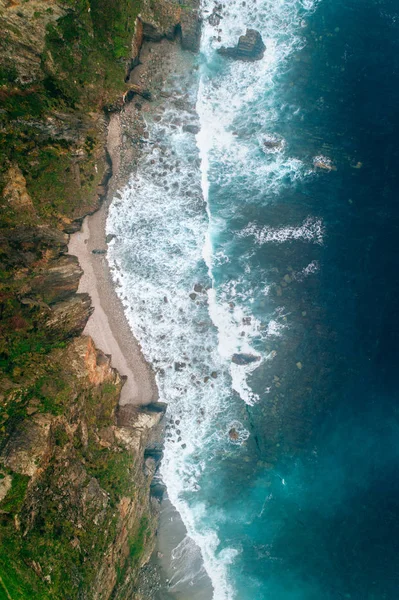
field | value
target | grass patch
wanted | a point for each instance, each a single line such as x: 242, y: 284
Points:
x: 113, y: 471
x: 137, y: 542
x: 15, y: 497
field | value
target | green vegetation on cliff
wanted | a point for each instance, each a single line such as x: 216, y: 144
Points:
x: 75, y: 512
x: 47, y: 124
x: 76, y: 518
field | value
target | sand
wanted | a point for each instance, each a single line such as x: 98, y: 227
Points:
x: 108, y: 325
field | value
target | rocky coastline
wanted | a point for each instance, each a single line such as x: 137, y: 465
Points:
x: 77, y: 451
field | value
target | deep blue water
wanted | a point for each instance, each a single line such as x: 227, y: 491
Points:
x: 281, y: 244
x: 331, y: 429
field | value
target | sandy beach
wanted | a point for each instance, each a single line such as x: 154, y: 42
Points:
x: 108, y: 325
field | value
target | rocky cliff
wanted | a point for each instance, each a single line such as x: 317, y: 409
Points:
x: 77, y: 519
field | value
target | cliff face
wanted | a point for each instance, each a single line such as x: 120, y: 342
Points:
x: 75, y: 509
x: 77, y: 520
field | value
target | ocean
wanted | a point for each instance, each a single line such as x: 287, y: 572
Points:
x: 255, y: 253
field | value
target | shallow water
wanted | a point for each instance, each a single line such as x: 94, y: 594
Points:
x: 272, y: 233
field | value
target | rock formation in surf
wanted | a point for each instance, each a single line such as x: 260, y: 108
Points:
x: 250, y: 47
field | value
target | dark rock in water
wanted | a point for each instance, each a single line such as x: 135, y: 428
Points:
x: 136, y: 90
x: 244, y: 359
x: 272, y: 142
x: 198, y: 288
x: 233, y: 434
x: 193, y: 295
x: 98, y: 251
x: 179, y: 366
x: 191, y: 128
x: 155, y: 453
x: 215, y: 18
x: 109, y: 237
x: 250, y: 47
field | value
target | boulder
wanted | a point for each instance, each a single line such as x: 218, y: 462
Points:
x: 250, y: 47
x: 190, y: 128
x: 244, y: 359
x: 69, y: 317
x: 215, y: 18
x: 233, y: 434
x: 272, y: 143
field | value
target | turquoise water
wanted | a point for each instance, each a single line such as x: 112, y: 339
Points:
x: 285, y: 470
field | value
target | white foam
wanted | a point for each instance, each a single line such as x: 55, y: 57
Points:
x: 166, y: 241
x: 186, y: 566
x: 311, y: 230
x: 226, y: 140
x: 160, y: 223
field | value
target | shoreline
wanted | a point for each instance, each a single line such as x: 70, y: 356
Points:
x: 108, y: 325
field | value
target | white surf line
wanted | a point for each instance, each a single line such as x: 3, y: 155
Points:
x: 311, y: 230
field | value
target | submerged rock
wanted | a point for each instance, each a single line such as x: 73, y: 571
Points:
x: 215, y: 18
x: 272, y: 143
x: 233, y: 434
x: 250, y: 47
x: 324, y: 163
x: 190, y: 128
x: 244, y: 359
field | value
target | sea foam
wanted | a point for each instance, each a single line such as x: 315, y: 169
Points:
x: 229, y: 146
x: 166, y: 250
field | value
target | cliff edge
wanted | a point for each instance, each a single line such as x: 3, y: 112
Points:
x: 77, y: 518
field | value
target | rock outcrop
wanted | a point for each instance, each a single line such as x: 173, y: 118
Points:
x: 155, y: 22
x: 23, y: 52
x: 86, y: 492
x: 15, y: 192
x: 250, y: 47
x: 244, y: 359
